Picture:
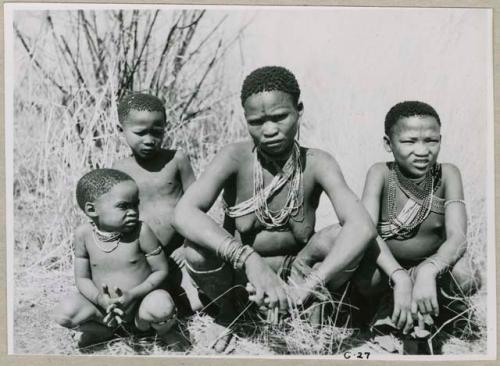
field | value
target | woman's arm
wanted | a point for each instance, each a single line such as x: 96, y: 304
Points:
x: 193, y: 223
x: 357, y: 227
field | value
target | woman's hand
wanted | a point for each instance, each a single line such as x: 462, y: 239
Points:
x: 266, y: 284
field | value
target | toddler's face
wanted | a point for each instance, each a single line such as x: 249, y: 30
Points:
x: 272, y: 119
x: 415, y: 142
x: 144, y: 131
x: 118, y: 209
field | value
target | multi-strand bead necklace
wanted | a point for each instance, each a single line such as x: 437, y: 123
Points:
x: 422, y: 193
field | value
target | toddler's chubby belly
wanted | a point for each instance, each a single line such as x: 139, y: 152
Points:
x: 415, y: 249
x: 125, y: 279
x: 273, y: 243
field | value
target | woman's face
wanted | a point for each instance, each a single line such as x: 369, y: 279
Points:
x: 272, y: 118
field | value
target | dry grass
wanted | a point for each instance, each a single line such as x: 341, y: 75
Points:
x: 65, y: 126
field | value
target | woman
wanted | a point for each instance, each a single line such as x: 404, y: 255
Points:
x: 271, y: 186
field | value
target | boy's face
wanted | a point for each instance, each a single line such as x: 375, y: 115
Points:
x: 272, y: 119
x: 118, y: 209
x: 144, y: 131
x: 415, y: 142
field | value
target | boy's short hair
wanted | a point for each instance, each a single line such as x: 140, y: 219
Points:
x: 139, y: 102
x: 96, y: 183
x: 408, y: 109
x: 269, y: 78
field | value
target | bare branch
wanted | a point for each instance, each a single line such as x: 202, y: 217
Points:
x: 37, y: 64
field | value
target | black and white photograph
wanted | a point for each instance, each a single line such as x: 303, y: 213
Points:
x: 250, y: 181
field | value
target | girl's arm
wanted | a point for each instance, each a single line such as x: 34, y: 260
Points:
x: 455, y: 217
x: 372, y: 196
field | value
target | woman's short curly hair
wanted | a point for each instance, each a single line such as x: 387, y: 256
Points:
x: 269, y: 78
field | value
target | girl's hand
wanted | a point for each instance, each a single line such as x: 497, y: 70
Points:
x: 424, y: 296
x: 401, y: 315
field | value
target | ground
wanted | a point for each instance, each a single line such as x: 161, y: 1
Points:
x: 38, y: 290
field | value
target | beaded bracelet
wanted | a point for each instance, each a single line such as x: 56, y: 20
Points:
x: 391, y: 282
x: 436, y: 263
x: 229, y: 249
x: 243, y: 254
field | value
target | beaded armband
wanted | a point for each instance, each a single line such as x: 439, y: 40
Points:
x: 449, y: 202
x: 154, y: 252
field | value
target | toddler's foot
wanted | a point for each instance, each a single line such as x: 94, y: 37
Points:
x: 88, y: 339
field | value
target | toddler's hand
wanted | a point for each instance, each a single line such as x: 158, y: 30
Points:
x: 124, y: 298
x: 114, y: 317
x: 104, y: 299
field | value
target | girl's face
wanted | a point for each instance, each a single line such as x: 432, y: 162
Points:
x: 118, y: 209
x: 272, y: 119
x: 415, y: 142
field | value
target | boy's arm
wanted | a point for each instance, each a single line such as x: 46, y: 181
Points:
x: 357, y: 227
x: 185, y: 169
x: 156, y: 259
x: 455, y: 221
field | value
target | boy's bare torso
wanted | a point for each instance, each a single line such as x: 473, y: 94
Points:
x: 160, y: 189
x: 286, y: 240
x: 431, y: 233
x: 125, y: 267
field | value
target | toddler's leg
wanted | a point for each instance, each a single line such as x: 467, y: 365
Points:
x: 157, y: 310
x: 78, y: 313
x: 75, y: 310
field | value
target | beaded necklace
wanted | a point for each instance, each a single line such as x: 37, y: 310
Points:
x: 104, y: 240
x: 423, y: 195
x: 291, y: 172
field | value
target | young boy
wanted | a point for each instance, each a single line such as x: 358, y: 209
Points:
x: 420, y: 212
x: 162, y: 177
x: 119, y: 264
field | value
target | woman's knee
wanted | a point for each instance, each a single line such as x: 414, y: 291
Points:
x: 323, y: 241
x: 200, y: 258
